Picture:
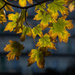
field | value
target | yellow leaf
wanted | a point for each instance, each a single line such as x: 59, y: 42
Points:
x: 9, y: 8
x: 30, y: 1
x: 2, y: 16
x: 71, y: 7
x: 23, y: 3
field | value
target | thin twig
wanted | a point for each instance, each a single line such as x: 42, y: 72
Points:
x: 27, y: 6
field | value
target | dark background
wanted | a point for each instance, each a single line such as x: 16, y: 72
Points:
x: 62, y: 62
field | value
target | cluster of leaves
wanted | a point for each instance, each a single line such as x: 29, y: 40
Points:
x: 49, y: 18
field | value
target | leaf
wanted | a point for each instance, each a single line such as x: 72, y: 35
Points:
x: 36, y: 55
x: 45, y: 18
x: 15, y: 49
x: 26, y: 31
x: 9, y: 8
x: 17, y: 21
x: 23, y: 3
x: 40, y: 7
x: 59, y: 29
x: 57, y: 5
x: 71, y: 6
x: 1, y: 3
x: 45, y: 42
x: 11, y: 25
x: 2, y: 16
x: 37, y: 30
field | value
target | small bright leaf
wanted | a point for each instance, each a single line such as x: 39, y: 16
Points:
x: 11, y: 25
x: 37, y: 30
x: 72, y: 6
x: 15, y: 49
x: 23, y: 3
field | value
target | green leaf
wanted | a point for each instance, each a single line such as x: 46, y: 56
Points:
x: 26, y: 31
x: 57, y: 5
x: 59, y: 29
x: 46, y: 42
x: 37, y: 30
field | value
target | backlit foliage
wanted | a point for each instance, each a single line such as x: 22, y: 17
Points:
x: 48, y: 15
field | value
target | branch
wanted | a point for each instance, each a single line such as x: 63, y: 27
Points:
x: 26, y: 6
x: 3, y: 6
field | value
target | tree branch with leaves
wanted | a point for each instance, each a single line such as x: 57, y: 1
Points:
x: 47, y: 14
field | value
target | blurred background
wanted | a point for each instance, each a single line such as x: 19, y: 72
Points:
x: 62, y: 62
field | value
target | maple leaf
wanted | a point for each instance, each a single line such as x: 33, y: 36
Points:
x: 11, y: 25
x: 45, y: 42
x: 59, y: 29
x: 36, y: 55
x: 2, y: 16
x: 45, y: 18
x: 17, y: 21
x: 23, y: 3
x: 26, y: 31
x: 37, y: 30
x: 15, y: 49
x: 57, y: 5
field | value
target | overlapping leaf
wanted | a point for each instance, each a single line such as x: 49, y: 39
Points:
x: 46, y: 42
x: 37, y: 30
x: 57, y: 5
x: 45, y: 18
x: 15, y: 49
x: 23, y: 3
x: 17, y: 21
x: 26, y: 31
x: 11, y: 25
x: 59, y: 29
x: 36, y: 55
